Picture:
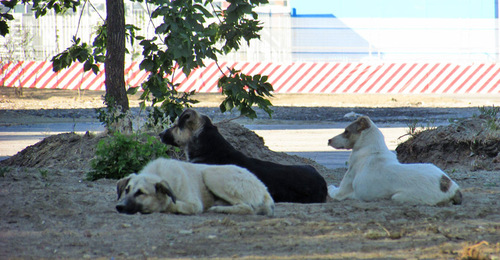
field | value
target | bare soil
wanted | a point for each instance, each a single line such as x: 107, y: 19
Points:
x: 49, y: 210
x: 472, y: 143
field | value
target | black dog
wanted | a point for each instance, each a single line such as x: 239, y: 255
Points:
x: 202, y: 143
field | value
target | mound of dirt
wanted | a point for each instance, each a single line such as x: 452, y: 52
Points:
x: 63, y: 151
x: 473, y: 143
x: 252, y: 145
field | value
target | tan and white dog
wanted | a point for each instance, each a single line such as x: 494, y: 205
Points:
x: 167, y: 185
x: 375, y: 173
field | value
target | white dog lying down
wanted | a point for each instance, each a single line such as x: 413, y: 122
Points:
x: 374, y: 172
x: 167, y: 185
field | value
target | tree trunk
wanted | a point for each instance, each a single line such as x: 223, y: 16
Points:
x: 114, y: 65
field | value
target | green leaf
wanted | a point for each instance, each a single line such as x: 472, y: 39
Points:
x: 163, y: 28
x: 87, y: 66
x: 148, y: 65
x: 10, y: 3
x: 100, y: 58
x: 95, y: 69
x: 4, y: 28
x: 133, y: 91
x: 205, y: 12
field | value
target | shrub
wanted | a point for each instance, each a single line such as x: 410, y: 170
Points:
x: 120, y: 155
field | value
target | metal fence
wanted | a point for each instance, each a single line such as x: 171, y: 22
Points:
x: 285, y: 38
x: 42, y: 38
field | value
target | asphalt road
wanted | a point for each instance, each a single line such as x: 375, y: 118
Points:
x: 305, y: 140
x: 301, y: 131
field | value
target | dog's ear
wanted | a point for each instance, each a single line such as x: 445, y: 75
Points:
x: 163, y: 188
x: 121, y: 184
x: 188, y: 119
x: 363, y: 123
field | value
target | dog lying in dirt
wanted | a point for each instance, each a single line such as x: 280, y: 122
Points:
x: 374, y: 172
x: 173, y: 186
x: 202, y: 143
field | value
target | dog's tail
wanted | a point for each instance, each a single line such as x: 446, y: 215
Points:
x: 267, y: 206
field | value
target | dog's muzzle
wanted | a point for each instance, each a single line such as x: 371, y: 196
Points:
x: 167, y: 137
x: 128, y: 207
x: 121, y: 209
x: 338, y: 142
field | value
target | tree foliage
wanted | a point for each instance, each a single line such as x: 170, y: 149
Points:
x: 40, y: 7
x: 190, y: 33
x: 244, y: 91
x: 185, y: 39
x: 5, y: 16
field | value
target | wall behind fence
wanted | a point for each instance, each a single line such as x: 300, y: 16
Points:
x: 296, y: 77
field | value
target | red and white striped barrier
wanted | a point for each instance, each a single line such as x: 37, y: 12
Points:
x: 39, y: 74
x: 303, y: 77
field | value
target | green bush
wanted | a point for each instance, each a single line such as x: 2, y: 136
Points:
x: 120, y: 154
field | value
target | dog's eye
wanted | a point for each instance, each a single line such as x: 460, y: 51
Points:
x: 127, y: 190
x: 138, y: 193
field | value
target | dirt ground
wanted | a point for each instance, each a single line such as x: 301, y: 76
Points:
x: 69, y: 99
x: 49, y: 210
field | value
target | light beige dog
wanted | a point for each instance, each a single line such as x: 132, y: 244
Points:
x: 167, y: 185
x: 375, y: 173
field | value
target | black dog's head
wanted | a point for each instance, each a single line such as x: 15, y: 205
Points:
x: 188, y: 125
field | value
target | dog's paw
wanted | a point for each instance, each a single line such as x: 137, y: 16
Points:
x: 332, y: 190
x: 241, y: 209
